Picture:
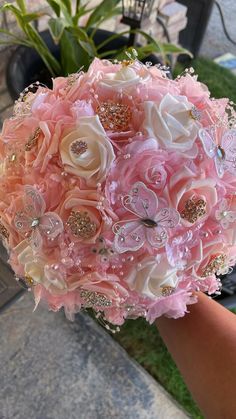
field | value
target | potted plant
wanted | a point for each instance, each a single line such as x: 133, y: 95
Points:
x: 66, y: 47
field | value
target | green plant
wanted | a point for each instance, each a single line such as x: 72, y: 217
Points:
x: 77, y: 46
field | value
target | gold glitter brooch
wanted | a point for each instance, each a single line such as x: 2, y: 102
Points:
x: 3, y: 232
x: 166, y: 290
x: 114, y: 116
x: 215, y: 264
x: 93, y: 298
x: 32, y: 141
x: 81, y: 225
x: 193, y: 210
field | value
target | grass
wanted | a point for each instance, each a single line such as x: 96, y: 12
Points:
x: 141, y: 340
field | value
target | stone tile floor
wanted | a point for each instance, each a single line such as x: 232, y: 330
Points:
x: 55, y: 369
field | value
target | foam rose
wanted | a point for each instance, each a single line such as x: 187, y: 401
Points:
x: 171, y: 124
x: 86, y: 151
x: 149, y: 276
x: 184, y: 185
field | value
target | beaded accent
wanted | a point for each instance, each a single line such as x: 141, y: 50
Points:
x: 3, y: 231
x: 81, y: 225
x: 215, y: 264
x: 93, y: 298
x: 32, y: 141
x: 193, y: 210
x: 114, y: 116
x: 166, y: 290
x: 79, y: 147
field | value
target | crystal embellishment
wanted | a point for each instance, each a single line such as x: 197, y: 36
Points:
x: 3, y: 231
x: 193, y: 210
x: 166, y: 290
x: 195, y: 113
x: 81, y: 225
x: 32, y: 141
x: 114, y: 116
x: 93, y: 298
x: 215, y: 265
x: 78, y: 147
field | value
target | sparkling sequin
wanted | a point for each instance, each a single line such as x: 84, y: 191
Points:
x: 215, y: 264
x: 79, y: 147
x: 3, y: 231
x: 193, y: 210
x: 32, y: 141
x: 93, y: 298
x: 167, y: 290
x: 81, y: 225
x: 35, y: 222
x: 114, y: 116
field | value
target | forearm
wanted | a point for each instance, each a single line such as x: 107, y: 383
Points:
x: 203, y: 345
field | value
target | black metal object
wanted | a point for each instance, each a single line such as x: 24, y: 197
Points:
x: 133, y: 12
x: 198, y: 15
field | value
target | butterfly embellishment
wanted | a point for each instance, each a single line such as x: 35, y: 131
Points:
x: 223, y: 154
x: 34, y: 222
x: 149, y: 226
x: 224, y: 215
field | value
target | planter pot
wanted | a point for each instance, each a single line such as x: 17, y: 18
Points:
x: 25, y: 65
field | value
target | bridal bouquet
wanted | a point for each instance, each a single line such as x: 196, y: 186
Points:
x: 117, y: 191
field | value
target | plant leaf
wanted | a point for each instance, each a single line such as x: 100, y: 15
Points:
x: 73, y: 55
x: 84, y: 40
x: 64, y: 8
x: 29, y: 17
x: 22, y: 6
x: 101, y: 11
x: 56, y: 27
x: 175, y: 49
x: 55, y: 7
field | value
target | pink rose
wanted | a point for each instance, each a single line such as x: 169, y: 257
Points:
x: 185, y: 189
x: 108, y: 288
x: 83, y: 214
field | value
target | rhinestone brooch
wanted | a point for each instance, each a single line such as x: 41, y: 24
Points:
x: 114, y: 116
x: 193, y: 210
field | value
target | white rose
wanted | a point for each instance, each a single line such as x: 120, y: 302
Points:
x: 125, y: 77
x: 86, y: 151
x: 171, y: 123
x: 36, y: 269
x: 151, y: 276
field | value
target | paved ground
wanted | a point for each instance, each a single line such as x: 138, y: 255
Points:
x: 215, y: 42
x: 54, y: 369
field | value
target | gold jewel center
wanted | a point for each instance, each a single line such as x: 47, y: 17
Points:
x: 93, y: 298
x: 114, y: 116
x: 32, y: 141
x: 215, y: 264
x: 81, y: 225
x: 166, y: 290
x: 3, y: 231
x: 193, y: 210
